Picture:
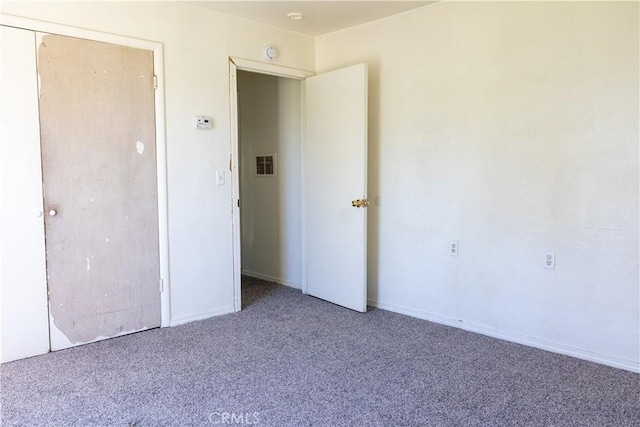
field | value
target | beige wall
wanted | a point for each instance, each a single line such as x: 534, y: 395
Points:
x: 512, y: 128
x: 197, y: 44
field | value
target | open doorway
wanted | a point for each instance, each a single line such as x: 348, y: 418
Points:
x: 332, y: 197
x: 269, y: 142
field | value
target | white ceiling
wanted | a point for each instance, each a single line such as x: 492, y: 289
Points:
x: 321, y: 17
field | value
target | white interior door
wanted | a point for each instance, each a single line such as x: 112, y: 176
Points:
x: 334, y: 158
x: 24, y: 316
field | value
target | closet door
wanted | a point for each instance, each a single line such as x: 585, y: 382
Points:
x: 100, y: 192
x: 24, y: 323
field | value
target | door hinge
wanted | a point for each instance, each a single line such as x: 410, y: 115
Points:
x: 231, y: 163
x: 161, y: 285
x: 238, y: 202
x: 155, y: 81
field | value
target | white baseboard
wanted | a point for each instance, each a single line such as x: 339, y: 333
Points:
x: 277, y: 280
x: 201, y: 316
x: 615, y: 362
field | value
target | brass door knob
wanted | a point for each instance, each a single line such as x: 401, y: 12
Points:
x: 360, y: 203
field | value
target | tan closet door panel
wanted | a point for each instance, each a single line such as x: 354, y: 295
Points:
x: 100, y: 193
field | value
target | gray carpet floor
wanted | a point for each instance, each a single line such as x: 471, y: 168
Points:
x: 291, y: 360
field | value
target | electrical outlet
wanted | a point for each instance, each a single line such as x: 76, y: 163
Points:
x: 550, y: 260
x: 453, y: 248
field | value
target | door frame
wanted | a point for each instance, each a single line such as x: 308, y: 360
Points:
x: 161, y: 145
x: 235, y: 64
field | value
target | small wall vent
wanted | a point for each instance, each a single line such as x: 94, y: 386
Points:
x: 266, y: 164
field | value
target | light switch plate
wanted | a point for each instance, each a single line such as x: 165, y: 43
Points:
x: 220, y: 177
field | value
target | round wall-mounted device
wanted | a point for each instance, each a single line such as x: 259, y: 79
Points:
x: 270, y: 53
